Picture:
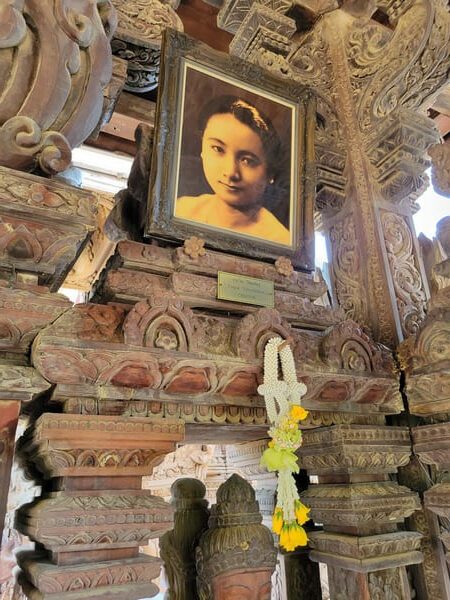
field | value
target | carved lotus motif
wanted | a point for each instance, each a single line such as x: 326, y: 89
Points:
x: 42, y: 196
x: 166, y: 339
x: 284, y: 266
x: 194, y: 247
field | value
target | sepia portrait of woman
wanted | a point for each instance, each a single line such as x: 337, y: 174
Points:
x: 241, y: 158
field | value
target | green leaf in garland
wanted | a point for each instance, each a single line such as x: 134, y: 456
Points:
x: 275, y: 459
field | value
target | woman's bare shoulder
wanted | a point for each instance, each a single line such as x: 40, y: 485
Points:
x: 274, y: 229
x: 189, y: 206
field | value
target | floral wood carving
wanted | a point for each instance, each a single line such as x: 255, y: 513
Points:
x: 355, y: 448
x: 406, y: 277
x: 61, y: 102
x: 194, y: 247
x: 433, y: 341
x: 346, y: 265
x: 132, y: 518
x: 284, y: 266
x: 361, y: 505
x: 138, y: 39
x: 407, y: 68
x: 24, y: 313
x: 43, y: 225
x: 162, y: 321
x: 254, y: 330
x: 146, y: 19
x: 104, y: 577
x: 346, y: 346
x: 440, y: 173
x: 92, y: 322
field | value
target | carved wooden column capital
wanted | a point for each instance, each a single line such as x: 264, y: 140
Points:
x: 138, y: 39
x: 44, y: 224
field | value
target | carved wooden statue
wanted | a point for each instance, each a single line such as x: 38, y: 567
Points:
x: 178, y: 545
x: 236, y: 555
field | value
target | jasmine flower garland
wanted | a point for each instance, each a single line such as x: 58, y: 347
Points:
x: 282, y: 400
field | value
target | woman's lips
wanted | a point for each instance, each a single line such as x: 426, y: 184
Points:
x: 231, y: 188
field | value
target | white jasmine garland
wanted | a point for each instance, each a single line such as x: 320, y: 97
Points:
x: 282, y: 399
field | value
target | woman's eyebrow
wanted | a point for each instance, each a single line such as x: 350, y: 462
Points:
x: 214, y: 139
x: 249, y: 153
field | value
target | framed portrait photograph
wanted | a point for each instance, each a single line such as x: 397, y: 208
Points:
x: 233, y: 156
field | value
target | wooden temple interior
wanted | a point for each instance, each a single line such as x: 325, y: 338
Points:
x: 131, y: 428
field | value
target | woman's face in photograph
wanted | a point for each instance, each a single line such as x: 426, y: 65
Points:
x: 234, y: 162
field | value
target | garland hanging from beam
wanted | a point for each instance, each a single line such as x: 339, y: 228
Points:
x: 282, y: 398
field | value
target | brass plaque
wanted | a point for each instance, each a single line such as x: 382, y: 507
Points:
x: 239, y: 288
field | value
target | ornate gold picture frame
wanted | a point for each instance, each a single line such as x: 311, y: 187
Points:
x: 233, y: 159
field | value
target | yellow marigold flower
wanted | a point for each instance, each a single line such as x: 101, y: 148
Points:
x: 277, y: 520
x: 298, y: 535
x: 285, y: 538
x: 301, y: 512
x: 299, y: 413
x: 271, y: 444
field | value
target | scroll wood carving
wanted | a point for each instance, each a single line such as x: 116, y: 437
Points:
x: 347, y: 272
x: 406, y: 277
x: 346, y: 346
x: 159, y: 322
x: 138, y: 38
x: 55, y: 61
x: 440, y: 173
x: 254, y: 330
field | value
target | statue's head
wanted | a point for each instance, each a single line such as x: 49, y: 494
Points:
x: 236, y: 556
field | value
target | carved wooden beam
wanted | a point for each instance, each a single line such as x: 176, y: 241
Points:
x: 44, y: 225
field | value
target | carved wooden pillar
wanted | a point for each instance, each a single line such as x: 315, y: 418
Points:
x: 9, y: 415
x: 301, y: 575
x: 373, y: 72
x: 360, y: 508
x: 178, y: 546
x: 93, y: 515
x: 372, y: 143
x: 43, y: 226
x: 425, y: 358
x: 376, y: 266
x: 17, y: 384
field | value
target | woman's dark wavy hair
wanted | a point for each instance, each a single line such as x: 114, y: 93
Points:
x: 251, y: 116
